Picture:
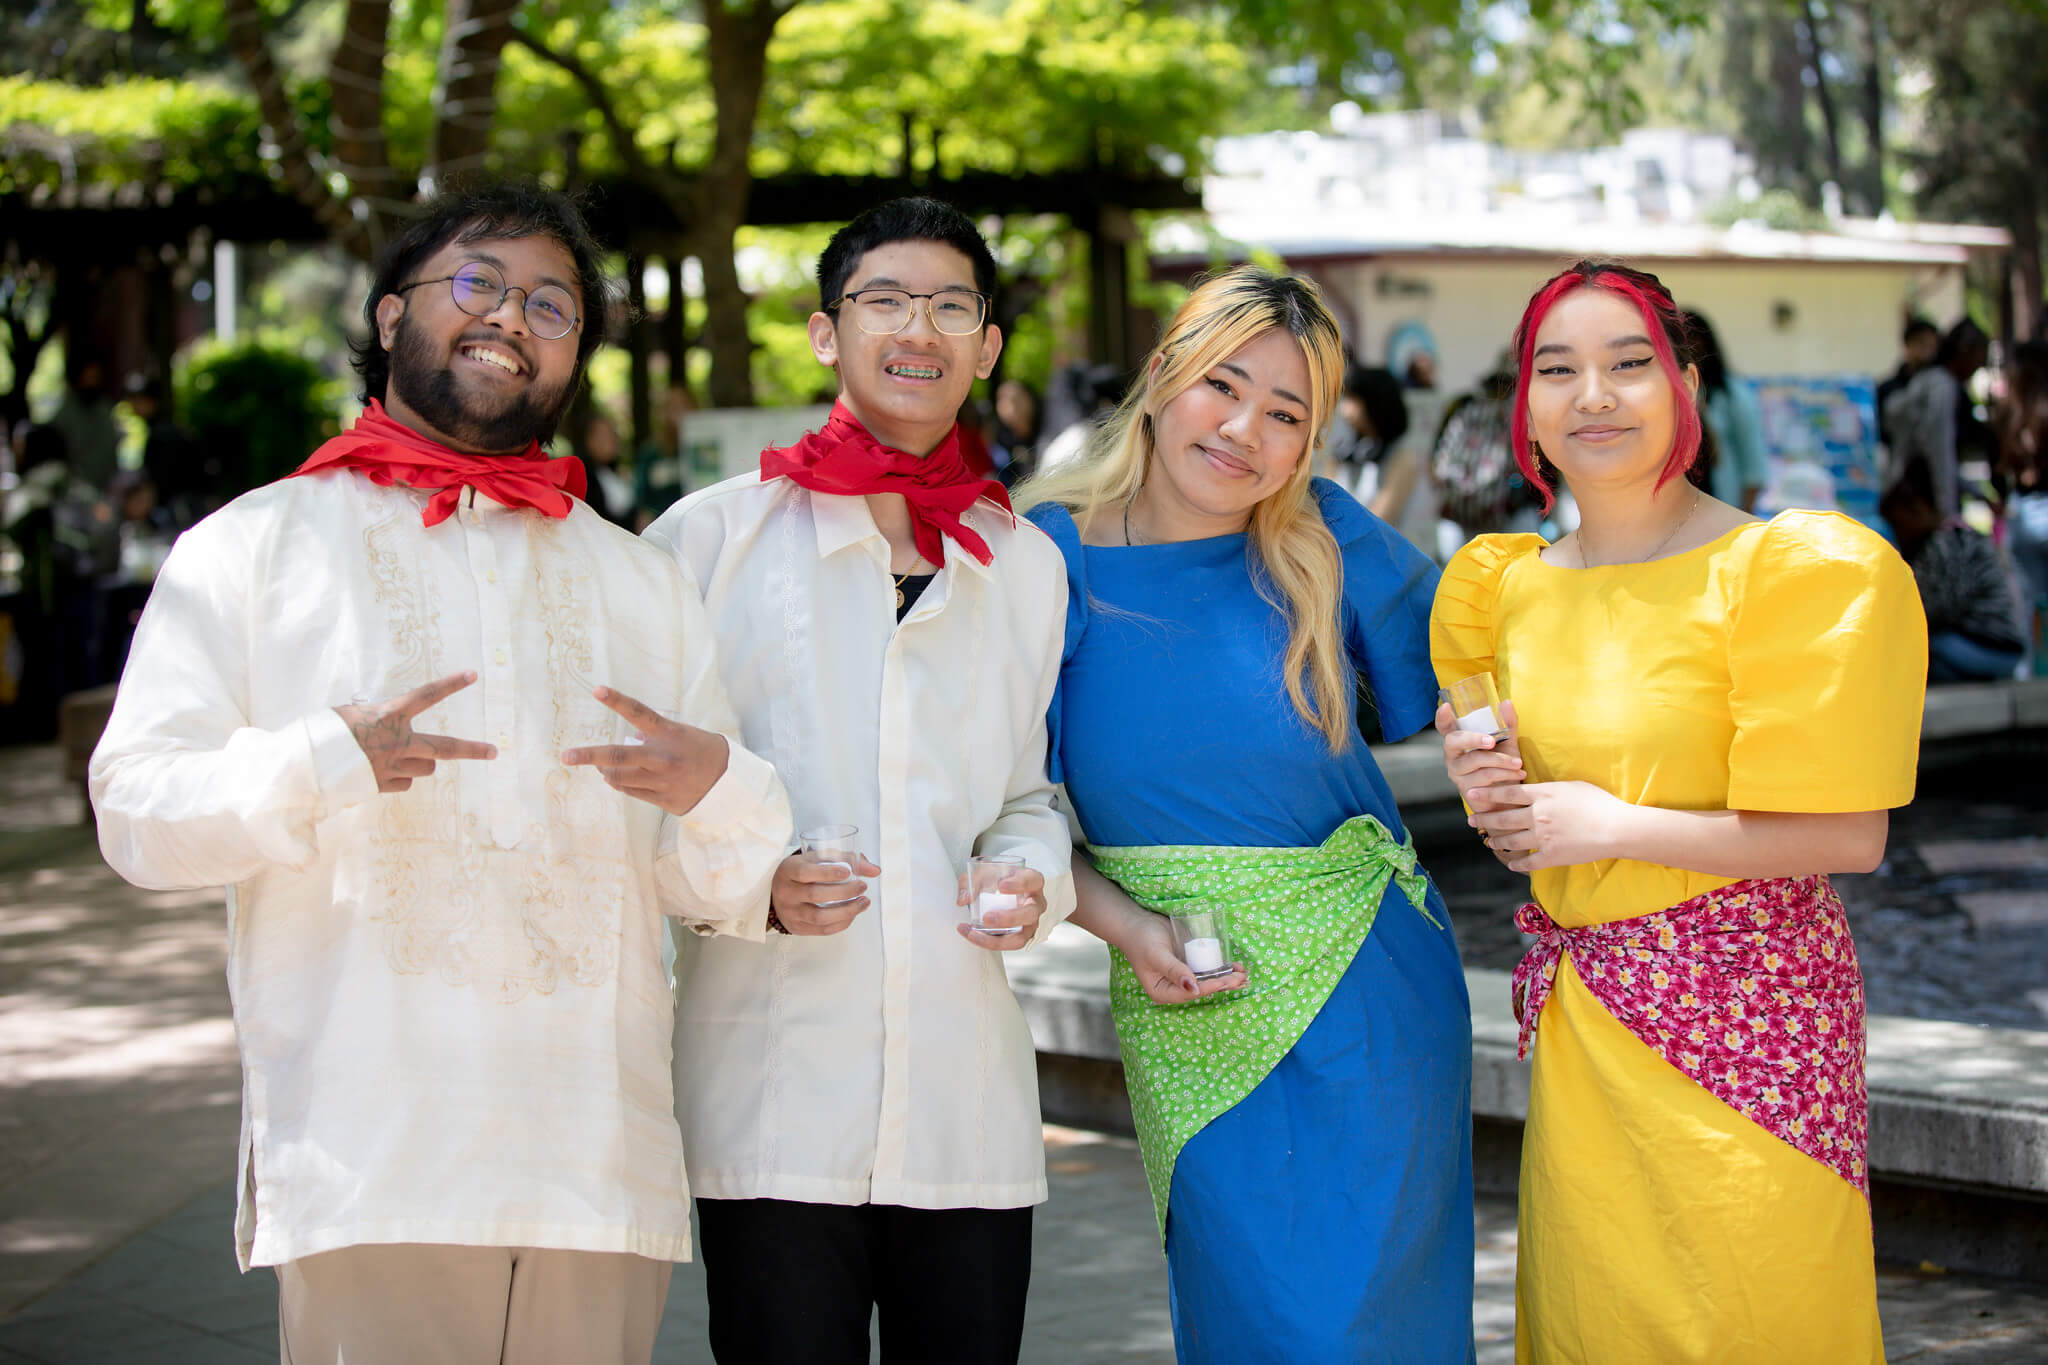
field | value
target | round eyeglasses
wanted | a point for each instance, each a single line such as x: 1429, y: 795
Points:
x: 479, y: 290
x: 885, y: 312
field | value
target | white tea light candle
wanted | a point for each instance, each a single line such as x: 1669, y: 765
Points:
x: 1205, y: 955
x: 1481, y: 722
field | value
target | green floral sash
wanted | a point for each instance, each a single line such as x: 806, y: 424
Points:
x: 1297, y: 918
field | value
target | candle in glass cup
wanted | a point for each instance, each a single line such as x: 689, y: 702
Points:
x: 985, y: 874
x: 835, y: 846
x: 1475, y: 701
x: 1202, y: 938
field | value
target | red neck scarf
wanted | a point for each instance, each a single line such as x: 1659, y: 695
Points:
x: 843, y: 458
x: 388, y: 452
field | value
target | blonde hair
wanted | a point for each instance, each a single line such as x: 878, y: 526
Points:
x: 1293, y: 557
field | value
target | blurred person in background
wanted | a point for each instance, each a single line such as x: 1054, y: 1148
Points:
x: 189, y: 481
x: 1420, y: 372
x: 1479, y: 488
x: 1372, y: 419
x: 1973, y: 632
x: 1016, y: 440
x: 1930, y: 419
x: 659, y: 478
x: 2023, y: 466
x: 48, y: 517
x: 611, y: 495
x: 1730, y: 410
x: 1096, y: 390
x: 137, y: 539
x: 1916, y: 352
x: 92, y: 432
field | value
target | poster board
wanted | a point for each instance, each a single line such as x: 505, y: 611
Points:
x: 721, y: 442
x: 1820, y: 439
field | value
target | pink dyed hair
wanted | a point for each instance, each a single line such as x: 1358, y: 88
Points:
x: 1666, y: 326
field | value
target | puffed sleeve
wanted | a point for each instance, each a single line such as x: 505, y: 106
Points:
x: 1388, y: 585
x: 1461, y: 622
x: 1827, y: 659
x: 1058, y: 523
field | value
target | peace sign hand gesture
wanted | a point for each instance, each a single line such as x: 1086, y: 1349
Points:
x: 672, y: 766
x: 397, y: 752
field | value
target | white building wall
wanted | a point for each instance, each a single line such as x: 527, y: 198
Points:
x: 1845, y: 319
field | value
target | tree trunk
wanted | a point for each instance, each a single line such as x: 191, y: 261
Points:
x: 713, y: 206
x: 1872, y: 102
x: 2025, y: 225
x: 466, y: 89
x: 736, y: 47
x: 1791, y: 152
x: 726, y: 337
x: 1811, y: 50
x: 295, y: 163
x: 675, y: 331
x: 639, y: 399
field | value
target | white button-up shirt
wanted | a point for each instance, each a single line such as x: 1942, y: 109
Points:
x: 889, y: 1063
x: 453, y: 1015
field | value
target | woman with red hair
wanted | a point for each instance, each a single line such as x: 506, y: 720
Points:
x: 1709, y: 714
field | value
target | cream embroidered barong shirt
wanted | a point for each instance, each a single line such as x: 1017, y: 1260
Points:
x: 453, y: 1015
x: 889, y: 1063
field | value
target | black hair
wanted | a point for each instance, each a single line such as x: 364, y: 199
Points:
x: 1917, y: 325
x: 1104, y: 386
x: 1963, y: 335
x: 1703, y: 349
x: 913, y: 219
x: 1914, y: 484
x: 507, y: 209
x: 1380, y: 391
x: 43, y: 444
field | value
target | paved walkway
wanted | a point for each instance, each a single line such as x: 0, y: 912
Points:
x: 118, y: 1112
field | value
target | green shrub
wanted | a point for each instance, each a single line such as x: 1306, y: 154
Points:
x: 262, y: 407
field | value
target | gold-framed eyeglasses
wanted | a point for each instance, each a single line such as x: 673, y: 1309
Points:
x: 885, y: 312
x: 480, y: 290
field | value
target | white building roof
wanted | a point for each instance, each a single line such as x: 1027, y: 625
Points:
x: 1518, y: 235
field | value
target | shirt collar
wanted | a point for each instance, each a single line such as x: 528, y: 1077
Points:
x: 842, y: 521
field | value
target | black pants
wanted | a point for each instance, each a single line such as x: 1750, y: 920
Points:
x: 795, y: 1284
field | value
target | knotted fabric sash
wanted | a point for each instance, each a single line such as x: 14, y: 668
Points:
x: 841, y: 457
x: 388, y: 452
x: 1296, y: 916
x: 1751, y: 990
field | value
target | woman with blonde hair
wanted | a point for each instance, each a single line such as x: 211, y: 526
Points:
x: 1236, y: 629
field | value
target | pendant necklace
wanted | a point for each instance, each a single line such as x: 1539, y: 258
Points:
x: 1672, y: 535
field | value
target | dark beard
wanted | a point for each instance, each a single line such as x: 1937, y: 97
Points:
x: 429, y: 389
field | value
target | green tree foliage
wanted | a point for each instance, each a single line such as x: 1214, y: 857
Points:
x: 264, y: 407
x: 1982, y: 135
x: 128, y: 131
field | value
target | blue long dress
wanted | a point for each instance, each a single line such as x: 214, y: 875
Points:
x: 1327, y: 1216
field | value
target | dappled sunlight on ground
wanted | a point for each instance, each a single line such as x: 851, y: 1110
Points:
x: 120, y: 1089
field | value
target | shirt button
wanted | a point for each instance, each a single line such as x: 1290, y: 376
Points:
x: 499, y: 657
x: 491, y: 577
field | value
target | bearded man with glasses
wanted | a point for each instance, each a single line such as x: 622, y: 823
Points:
x: 859, y: 1094
x: 455, y: 745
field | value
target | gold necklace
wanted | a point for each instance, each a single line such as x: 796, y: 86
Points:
x: 901, y: 579
x: 1672, y: 535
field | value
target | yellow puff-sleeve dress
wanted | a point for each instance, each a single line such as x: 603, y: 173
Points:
x: 1781, y: 667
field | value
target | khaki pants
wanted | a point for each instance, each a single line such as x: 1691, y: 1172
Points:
x: 413, y: 1304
